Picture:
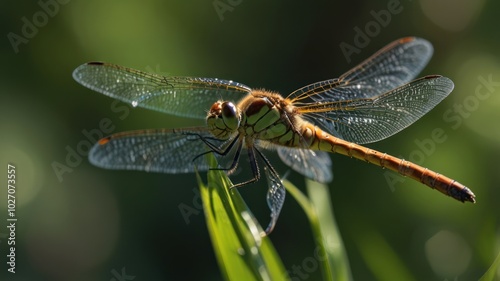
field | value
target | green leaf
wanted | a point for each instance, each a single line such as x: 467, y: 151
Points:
x: 242, y: 251
x: 329, y: 246
x: 330, y: 234
x: 493, y: 272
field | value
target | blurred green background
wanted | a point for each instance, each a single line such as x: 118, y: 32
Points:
x: 85, y: 223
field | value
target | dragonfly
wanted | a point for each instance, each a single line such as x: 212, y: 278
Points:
x: 372, y: 101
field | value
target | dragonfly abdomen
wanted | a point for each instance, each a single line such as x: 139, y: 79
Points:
x: 326, y: 142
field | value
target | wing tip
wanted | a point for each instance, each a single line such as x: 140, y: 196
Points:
x: 104, y: 141
x: 433, y: 76
x: 407, y: 39
x: 82, y: 67
x: 423, y: 43
x: 95, y: 63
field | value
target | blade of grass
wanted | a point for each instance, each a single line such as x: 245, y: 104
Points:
x: 493, y: 273
x: 334, y: 247
x: 311, y: 214
x: 242, y: 253
x: 330, y: 249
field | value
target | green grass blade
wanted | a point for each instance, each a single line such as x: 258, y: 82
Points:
x: 331, y: 253
x: 319, y: 195
x: 311, y: 214
x: 493, y: 272
x: 242, y: 253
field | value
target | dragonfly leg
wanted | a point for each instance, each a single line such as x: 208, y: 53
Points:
x: 236, y: 158
x: 253, y: 165
x: 276, y: 193
x: 222, y: 152
x: 268, y: 164
x: 214, y: 149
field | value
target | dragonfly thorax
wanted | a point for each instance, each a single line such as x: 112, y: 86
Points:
x: 223, y: 119
x: 269, y: 117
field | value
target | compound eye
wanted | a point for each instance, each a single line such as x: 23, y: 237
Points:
x: 228, y: 110
x: 230, y: 115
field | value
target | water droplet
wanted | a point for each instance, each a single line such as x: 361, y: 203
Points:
x: 134, y: 103
x: 254, y: 250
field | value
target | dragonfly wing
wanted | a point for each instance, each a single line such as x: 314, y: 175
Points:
x: 164, y: 151
x: 275, y: 197
x: 394, y: 65
x: 374, y: 119
x: 315, y: 165
x: 182, y: 96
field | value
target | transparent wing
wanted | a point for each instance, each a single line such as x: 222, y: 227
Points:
x: 164, y: 151
x: 315, y: 165
x: 373, y: 119
x: 394, y: 65
x: 275, y: 196
x: 182, y: 96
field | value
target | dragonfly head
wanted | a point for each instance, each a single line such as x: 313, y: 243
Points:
x: 223, y: 119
